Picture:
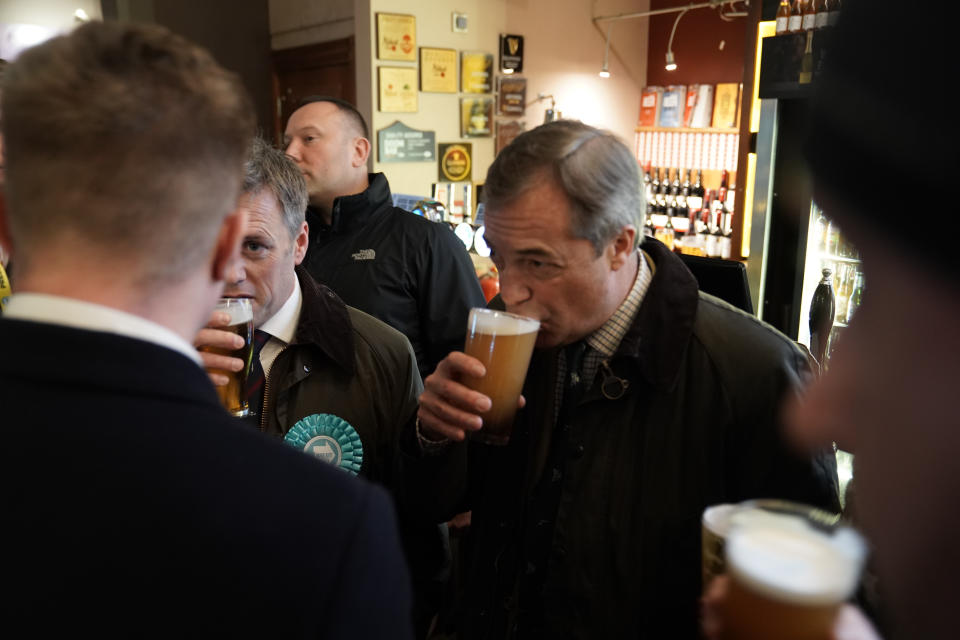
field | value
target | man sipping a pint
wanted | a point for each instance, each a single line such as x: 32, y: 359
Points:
x: 646, y: 401
x: 333, y: 381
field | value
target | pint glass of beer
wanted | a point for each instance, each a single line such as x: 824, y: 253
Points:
x: 503, y: 342
x: 232, y: 394
x: 789, y: 575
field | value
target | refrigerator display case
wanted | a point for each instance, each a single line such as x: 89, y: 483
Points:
x: 791, y: 239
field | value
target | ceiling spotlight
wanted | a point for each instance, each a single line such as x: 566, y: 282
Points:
x: 671, y: 63
x: 605, y: 69
x: 81, y: 16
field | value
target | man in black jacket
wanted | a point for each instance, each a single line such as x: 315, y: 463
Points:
x: 399, y: 267
x: 587, y: 524
x: 131, y: 505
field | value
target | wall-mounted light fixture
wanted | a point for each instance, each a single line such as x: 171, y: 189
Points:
x: 605, y: 70
x: 726, y: 9
x: 671, y: 63
x: 550, y: 113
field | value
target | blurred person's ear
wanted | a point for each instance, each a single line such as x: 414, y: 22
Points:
x: 6, y: 242
x: 226, y: 254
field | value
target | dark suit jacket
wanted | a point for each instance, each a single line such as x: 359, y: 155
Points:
x: 134, y: 506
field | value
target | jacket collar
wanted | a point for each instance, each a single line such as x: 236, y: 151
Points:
x: 352, y: 212
x: 663, y: 325
x: 325, y: 322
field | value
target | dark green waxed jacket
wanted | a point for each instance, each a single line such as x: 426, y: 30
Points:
x: 698, y: 425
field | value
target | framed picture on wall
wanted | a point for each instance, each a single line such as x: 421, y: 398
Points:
x: 511, y: 96
x: 476, y: 117
x: 397, y: 89
x: 438, y: 70
x: 507, y: 130
x: 476, y: 72
x: 396, y: 37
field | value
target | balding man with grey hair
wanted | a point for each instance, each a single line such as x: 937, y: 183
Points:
x: 645, y: 402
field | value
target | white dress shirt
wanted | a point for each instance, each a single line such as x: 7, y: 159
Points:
x: 78, y: 314
x: 282, y: 328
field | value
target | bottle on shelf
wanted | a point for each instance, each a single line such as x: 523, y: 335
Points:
x: 783, y: 16
x: 647, y: 180
x: 695, y: 198
x: 714, y: 235
x: 664, y: 188
x: 666, y: 233
x: 822, y: 313
x: 843, y: 292
x: 822, y: 13
x: 809, y: 21
x: 856, y: 298
x: 833, y: 12
x: 648, y: 229
x: 726, y: 234
x: 693, y: 240
x: 806, y: 62
x: 681, y: 212
x: 795, y: 21
x: 654, y: 185
x: 822, y: 231
x: 675, y: 185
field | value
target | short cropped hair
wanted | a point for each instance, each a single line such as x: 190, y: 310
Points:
x: 270, y: 168
x: 596, y: 171
x: 353, y: 116
x: 127, y: 138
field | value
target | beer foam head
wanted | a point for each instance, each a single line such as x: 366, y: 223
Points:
x: 501, y: 323
x: 786, y: 559
x: 240, y: 309
x: 717, y: 518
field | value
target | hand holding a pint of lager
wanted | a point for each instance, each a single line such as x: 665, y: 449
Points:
x: 226, y: 348
x: 477, y: 392
x: 776, y: 569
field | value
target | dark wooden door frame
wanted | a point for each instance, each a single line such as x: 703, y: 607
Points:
x: 312, y: 56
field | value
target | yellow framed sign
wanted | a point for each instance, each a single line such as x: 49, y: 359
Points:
x: 476, y: 72
x: 396, y: 37
x: 398, y: 89
x: 438, y: 70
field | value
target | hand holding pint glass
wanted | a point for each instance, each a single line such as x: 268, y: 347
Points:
x: 226, y: 359
x: 503, y: 342
x: 790, y: 568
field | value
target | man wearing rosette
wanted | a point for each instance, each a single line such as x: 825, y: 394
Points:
x: 336, y: 383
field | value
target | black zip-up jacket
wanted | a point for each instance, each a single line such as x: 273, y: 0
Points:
x: 403, y: 269
x: 697, y: 425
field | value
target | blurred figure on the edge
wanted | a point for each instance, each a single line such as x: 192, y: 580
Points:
x: 890, y: 391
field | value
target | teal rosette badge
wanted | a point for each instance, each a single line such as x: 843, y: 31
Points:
x: 330, y: 438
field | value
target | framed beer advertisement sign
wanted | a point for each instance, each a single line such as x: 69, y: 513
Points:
x: 511, y: 53
x: 476, y: 117
x: 507, y: 130
x: 476, y: 72
x: 398, y: 89
x: 455, y: 161
x: 438, y: 70
x: 396, y: 37
x: 511, y: 96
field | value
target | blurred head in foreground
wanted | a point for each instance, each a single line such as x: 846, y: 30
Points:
x: 124, y: 158
x: 888, y: 395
